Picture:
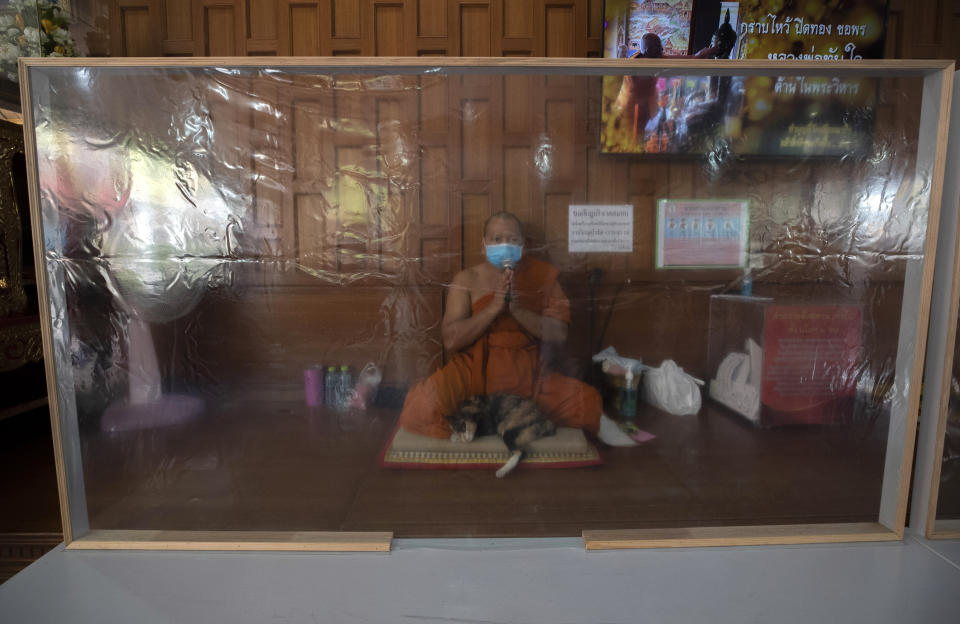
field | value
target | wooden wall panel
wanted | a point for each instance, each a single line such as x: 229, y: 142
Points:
x: 316, y: 226
x: 434, y: 110
x: 560, y: 31
x: 345, y: 16
x: 476, y: 209
x: 219, y: 31
x: 431, y: 18
x: 179, y: 22
x: 434, y: 187
x: 561, y: 129
x: 218, y: 27
x: 356, y: 209
x: 517, y: 165
x: 519, y: 93
x: 399, y: 167
x: 954, y: 27
x: 271, y: 180
x: 262, y: 23
x: 475, y: 143
x: 273, y: 355
x: 923, y: 29
x: 309, y: 139
x: 595, y: 18
x: 517, y: 18
x: 388, y: 30
x: 135, y: 29
x: 304, y: 29
x: 556, y: 212
x: 475, y: 33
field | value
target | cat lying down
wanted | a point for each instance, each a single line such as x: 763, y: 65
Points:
x: 515, y: 419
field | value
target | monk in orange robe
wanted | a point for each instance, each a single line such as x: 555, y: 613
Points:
x: 495, y: 320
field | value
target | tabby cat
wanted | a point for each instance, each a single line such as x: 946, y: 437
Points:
x: 515, y: 419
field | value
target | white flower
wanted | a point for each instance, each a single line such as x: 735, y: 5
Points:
x: 6, y: 21
x: 32, y: 34
x: 9, y: 52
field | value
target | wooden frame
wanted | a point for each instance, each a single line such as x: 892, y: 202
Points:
x: 915, y: 313
x: 945, y: 306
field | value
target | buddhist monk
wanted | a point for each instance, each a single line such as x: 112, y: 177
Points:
x: 498, y: 314
x: 637, y: 100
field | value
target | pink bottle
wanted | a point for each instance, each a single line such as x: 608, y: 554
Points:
x: 313, y: 385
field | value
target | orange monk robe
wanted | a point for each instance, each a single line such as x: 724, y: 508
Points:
x: 513, y: 365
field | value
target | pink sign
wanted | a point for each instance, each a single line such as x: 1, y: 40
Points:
x: 702, y: 233
x: 810, y: 356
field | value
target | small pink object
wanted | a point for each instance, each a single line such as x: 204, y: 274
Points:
x: 313, y: 386
x: 167, y: 411
x: 640, y: 436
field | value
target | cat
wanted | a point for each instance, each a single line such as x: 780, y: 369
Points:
x: 515, y: 419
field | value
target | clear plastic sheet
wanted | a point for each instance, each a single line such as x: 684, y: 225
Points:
x: 948, y: 500
x: 217, y: 238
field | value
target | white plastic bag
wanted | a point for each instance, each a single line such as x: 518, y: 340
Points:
x: 366, y: 389
x: 670, y: 389
x: 616, y: 364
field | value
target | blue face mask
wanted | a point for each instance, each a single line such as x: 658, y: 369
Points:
x: 497, y: 255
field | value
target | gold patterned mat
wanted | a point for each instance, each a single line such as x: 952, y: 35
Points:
x: 569, y: 448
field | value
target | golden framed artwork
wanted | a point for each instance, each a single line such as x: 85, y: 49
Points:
x: 272, y: 288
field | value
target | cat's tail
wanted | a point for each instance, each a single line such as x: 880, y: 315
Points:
x: 505, y: 469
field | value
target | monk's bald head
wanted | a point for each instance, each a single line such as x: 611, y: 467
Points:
x: 505, y: 217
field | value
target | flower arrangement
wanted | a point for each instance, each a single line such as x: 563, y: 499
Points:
x: 33, y: 28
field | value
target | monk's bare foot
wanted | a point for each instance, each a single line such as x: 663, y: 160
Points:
x: 611, y: 433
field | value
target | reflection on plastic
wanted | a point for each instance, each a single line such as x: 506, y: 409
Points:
x: 219, y: 233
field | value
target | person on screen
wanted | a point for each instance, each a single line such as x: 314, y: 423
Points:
x: 498, y: 314
x: 637, y: 101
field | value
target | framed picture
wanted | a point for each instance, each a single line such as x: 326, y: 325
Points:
x: 628, y: 21
x: 702, y: 233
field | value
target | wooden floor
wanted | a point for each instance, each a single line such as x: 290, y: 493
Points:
x: 255, y: 463
x: 29, y: 506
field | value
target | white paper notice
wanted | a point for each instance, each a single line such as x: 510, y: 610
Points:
x: 601, y: 229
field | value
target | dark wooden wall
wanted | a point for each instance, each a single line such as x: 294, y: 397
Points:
x: 917, y: 29
x: 363, y: 28
x: 342, y: 204
x: 375, y: 191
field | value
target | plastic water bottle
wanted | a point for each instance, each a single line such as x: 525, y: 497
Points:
x: 330, y: 386
x: 746, y: 287
x: 628, y: 398
x: 344, y: 387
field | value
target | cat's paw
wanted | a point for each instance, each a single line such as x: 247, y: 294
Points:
x: 461, y: 436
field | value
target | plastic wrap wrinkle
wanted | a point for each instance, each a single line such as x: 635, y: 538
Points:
x: 216, y: 232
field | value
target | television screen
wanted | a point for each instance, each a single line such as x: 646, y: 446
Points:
x: 814, y: 116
